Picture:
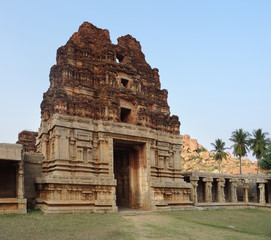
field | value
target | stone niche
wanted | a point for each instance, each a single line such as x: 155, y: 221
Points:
x: 11, y: 179
x: 106, y: 135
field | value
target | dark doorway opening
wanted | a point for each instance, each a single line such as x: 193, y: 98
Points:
x: 227, y: 190
x: 8, y: 179
x: 131, y: 174
x: 214, y: 191
x: 200, y: 191
x: 121, y: 170
x: 266, y: 192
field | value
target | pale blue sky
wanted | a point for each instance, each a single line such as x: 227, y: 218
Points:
x: 214, y: 57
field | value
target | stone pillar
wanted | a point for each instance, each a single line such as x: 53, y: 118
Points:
x: 220, y: 190
x: 262, y: 193
x: 103, y: 147
x: 233, y: 190
x: 261, y: 187
x: 20, y: 188
x: 246, y: 187
x: 208, y: 189
x: 20, y: 179
x: 194, y: 193
x: 126, y: 187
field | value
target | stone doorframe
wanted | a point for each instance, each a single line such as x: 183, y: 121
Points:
x: 139, y: 186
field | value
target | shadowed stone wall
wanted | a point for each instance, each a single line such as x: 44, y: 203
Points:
x: 32, y: 170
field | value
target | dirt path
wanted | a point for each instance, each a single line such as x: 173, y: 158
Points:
x: 143, y: 223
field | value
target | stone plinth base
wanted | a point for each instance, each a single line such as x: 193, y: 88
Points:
x: 63, y: 196
x: 177, y: 206
x: 12, y: 205
x: 237, y: 205
x: 69, y: 207
x: 171, y: 196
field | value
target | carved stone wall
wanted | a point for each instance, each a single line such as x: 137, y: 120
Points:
x: 32, y: 170
x: 79, y: 161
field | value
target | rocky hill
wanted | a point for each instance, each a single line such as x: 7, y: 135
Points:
x: 197, y: 158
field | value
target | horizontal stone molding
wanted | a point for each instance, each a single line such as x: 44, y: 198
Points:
x: 11, y: 152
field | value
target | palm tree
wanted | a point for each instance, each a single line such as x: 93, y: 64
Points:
x: 240, y: 147
x: 219, y: 151
x: 258, y: 144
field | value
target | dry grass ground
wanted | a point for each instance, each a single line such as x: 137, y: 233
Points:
x: 216, y: 224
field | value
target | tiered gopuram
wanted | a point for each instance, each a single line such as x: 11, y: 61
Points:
x: 106, y: 134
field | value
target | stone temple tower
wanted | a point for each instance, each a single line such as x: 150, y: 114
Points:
x: 106, y: 133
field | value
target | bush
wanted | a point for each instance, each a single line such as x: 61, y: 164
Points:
x: 199, y: 150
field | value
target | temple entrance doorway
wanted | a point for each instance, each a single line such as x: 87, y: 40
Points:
x: 130, y: 173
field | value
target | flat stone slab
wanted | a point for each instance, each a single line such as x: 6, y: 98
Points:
x: 11, y: 151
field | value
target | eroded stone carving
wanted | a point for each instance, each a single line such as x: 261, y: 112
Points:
x: 220, y: 190
x: 208, y: 189
x: 96, y: 79
x: 233, y: 188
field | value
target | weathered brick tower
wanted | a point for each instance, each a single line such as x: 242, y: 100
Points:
x: 106, y: 134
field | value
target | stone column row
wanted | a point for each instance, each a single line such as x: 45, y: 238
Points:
x: 261, y: 186
x: 208, y: 185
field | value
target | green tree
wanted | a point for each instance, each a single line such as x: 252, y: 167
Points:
x: 219, y: 151
x: 265, y: 161
x: 239, y: 137
x: 258, y: 144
